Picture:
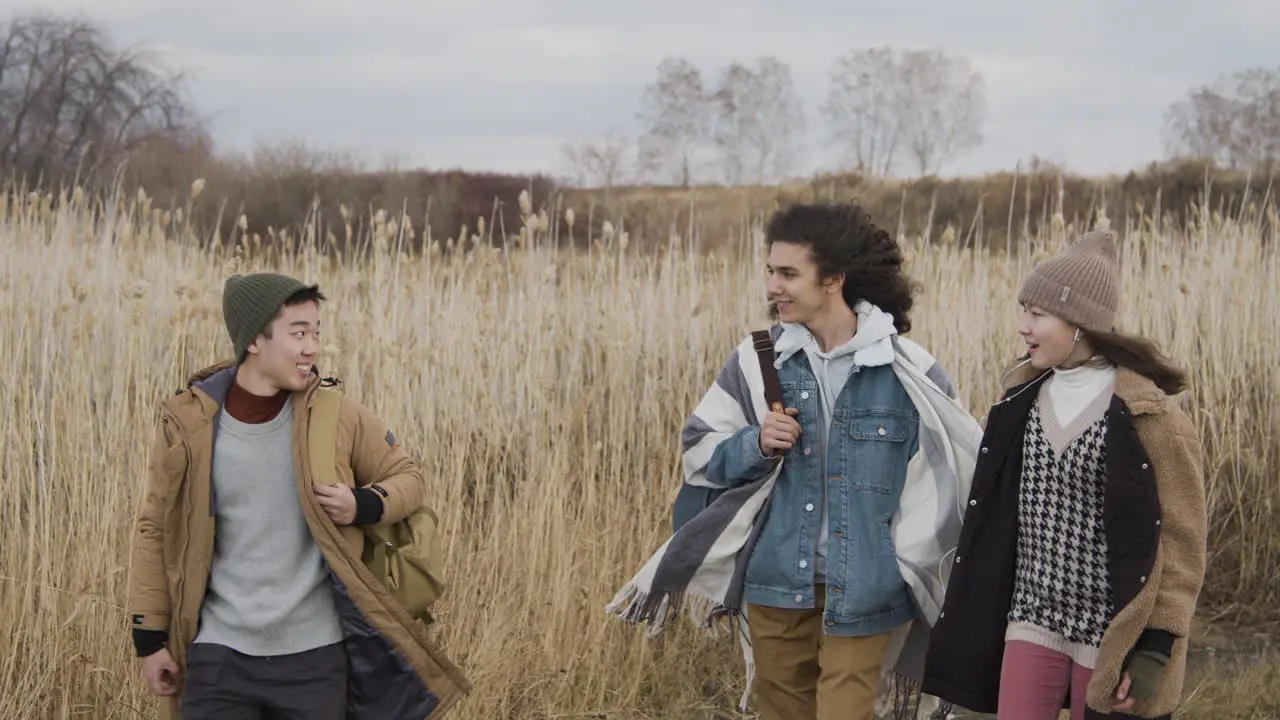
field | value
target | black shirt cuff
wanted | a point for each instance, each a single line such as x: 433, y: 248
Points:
x: 1153, y: 640
x: 149, y: 642
x: 368, y: 507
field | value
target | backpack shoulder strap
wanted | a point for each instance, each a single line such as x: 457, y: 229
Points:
x: 322, y: 435
x: 764, y: 352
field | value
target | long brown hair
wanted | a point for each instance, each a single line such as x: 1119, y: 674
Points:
x: 1140, y: 355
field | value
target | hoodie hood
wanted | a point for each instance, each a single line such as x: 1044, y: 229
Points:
x: 871, y: 346
x: 196, y: 378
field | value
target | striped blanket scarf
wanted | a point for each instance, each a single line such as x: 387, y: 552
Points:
x: 701, y: 568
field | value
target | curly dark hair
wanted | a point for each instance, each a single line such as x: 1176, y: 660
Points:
x: 842, y: 239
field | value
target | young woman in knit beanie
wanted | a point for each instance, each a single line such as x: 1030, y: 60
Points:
x: 1083, y: 547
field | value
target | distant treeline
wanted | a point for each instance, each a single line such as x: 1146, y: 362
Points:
x: 992, y: 209
x: 77, y: 110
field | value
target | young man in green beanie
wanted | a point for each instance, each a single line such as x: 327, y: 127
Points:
x: 248, y: 597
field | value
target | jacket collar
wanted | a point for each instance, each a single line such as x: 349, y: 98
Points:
x: 1138, y: 393
x: 207, y: 389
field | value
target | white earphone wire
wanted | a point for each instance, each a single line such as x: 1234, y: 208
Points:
x: 1070, y: 350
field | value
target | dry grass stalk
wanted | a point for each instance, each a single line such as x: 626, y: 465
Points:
x: 544, y: 392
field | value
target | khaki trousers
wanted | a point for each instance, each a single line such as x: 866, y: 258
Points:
x: 803, y: 674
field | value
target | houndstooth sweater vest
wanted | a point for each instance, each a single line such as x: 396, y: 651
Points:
x: 1062, y: 593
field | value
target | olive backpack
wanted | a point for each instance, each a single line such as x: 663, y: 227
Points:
x: 404, y: 555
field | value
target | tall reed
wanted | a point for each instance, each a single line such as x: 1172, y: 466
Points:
x: 543, y: 390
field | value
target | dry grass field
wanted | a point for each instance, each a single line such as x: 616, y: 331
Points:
x: 544, y: 391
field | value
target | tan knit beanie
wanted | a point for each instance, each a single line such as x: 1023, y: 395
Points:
x: 1080, y: 285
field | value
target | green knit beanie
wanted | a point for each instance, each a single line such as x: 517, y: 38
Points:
x: 249, y: 302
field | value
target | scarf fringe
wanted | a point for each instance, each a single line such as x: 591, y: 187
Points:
x: 661, y: 608
x: 658, y: 609
x: 744, y: 639
x: 908, y: 697
x: 636, y: 607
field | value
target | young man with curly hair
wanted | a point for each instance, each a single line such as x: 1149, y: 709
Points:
x: 844, y: 563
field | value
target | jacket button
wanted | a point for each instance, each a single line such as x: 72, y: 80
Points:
x: 799, y: 598
x: 804, y: 395
x: 807, y: 451
x: 972, y: 503
x: 942, y: 614
x: 957, y: 558
x: 804, y: 563
x: 880, y: 430
x: 1157, y: 523
x: 1142, y: 579
x: 808, y: 507
x: 984, y: 450
x: 1144, y: 466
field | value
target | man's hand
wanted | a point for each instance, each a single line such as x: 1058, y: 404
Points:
x: 161, y: 673
x: 339, y: 503
x: 779, y: 432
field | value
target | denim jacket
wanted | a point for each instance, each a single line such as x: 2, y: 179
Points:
x: 873, y: 436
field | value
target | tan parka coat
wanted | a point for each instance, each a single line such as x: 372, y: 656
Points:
x: 396, y: 672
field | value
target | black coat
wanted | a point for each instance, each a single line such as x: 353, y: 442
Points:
x: 966, y: 645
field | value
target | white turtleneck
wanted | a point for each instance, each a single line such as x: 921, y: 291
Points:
x: 1071, y: 391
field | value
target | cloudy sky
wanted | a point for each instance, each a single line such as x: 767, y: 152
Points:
x: 500, y: 84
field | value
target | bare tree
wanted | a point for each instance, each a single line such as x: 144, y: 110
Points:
x: 294, y: 156
x: 883, y: 104
x: 733, y: 131
x: 945, y: 103
x: 1235, y: 122
x: 599, y: 162
x: 70, y: 104
x: 758, y: 119
x: 864, y: 107
x: 675, y: 111
x: 1201, y: 126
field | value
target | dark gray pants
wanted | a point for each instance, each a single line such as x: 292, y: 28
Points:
x: 223, y: 684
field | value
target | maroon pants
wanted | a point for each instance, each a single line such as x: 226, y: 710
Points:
x: 1034, y: 680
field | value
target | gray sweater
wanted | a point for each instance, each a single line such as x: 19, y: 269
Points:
x: 269, y: 589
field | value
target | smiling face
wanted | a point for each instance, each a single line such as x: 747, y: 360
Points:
x: 796, y: 292
x: 1051, y: 341
x: 282, y: 357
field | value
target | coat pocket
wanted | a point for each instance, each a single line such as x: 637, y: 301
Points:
x: 878, y: 442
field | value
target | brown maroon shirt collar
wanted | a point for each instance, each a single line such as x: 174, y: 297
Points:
x: 254, y: 409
